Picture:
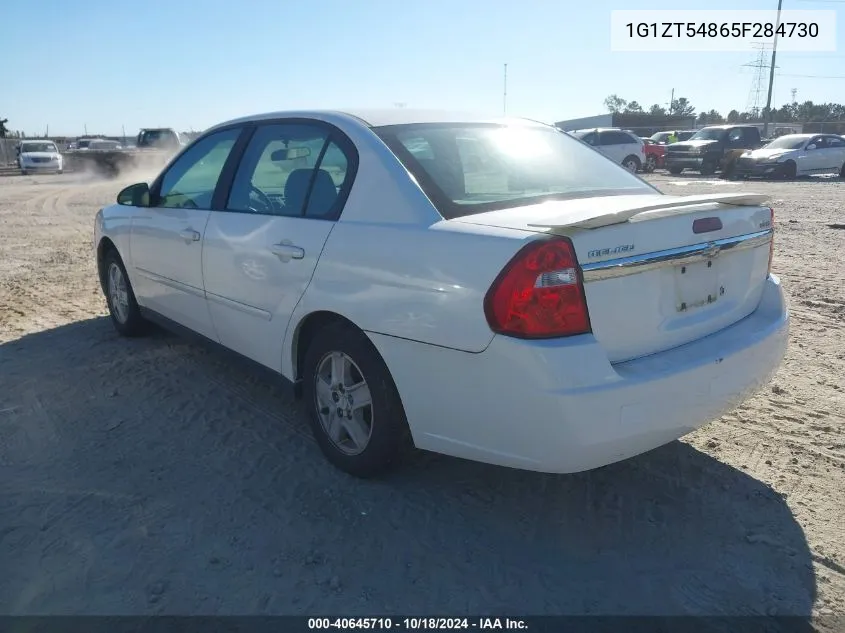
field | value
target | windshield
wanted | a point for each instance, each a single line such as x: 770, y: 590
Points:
x: 38, y: 147
x: 473, y: 168
x: 660, y: 137
x: 104, y: 145
x: 154, y: 137
x: 787, y: 142
x: 83, y: 144
x: 708, y: 134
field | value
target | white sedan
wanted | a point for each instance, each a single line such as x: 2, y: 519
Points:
x: 39, y: 156
x: 795, y: 155
x: 487, y: 288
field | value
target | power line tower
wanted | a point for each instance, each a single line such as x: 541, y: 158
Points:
x: 758, y: 82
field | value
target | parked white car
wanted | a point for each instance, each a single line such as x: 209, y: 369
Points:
x: 486, y: 288
x: 620, y: 146
x: 39, y: 156
x: 795, y: 155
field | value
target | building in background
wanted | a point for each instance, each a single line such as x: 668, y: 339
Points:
x: 640, y: 124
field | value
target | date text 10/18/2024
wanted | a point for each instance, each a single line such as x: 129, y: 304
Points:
x: 417, y: 624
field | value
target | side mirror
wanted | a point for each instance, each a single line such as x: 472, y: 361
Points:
x: 811, y: 146
x: 137, y: 195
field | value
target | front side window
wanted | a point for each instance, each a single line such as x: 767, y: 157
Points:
x: 292, y: 170
x: 473, y: 168
x: 190, y: 182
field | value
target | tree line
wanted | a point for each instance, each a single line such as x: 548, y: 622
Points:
x: 806, y: 112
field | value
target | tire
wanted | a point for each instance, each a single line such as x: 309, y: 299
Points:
x: 24, y: 172
x: 708, y: 168
x: 632, y: 164
x: 790, y: 170
x: 675, y: 170
x: 61, y: 171
x: 650, y: 165
x: 125, y: 314
x: 842, y: 171
x: 380, y: 428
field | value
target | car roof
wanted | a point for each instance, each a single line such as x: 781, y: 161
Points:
x: 385, y: 116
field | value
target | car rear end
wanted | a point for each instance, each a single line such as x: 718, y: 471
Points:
x: 623, y: 320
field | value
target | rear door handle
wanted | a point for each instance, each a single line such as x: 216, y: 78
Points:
x: 189, y: 235
x: 287, y: 251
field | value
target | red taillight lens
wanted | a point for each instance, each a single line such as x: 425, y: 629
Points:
x: 772, y: 243
x: 539, y: 294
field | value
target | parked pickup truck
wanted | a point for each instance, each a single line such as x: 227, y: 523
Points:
x: 712, y: 148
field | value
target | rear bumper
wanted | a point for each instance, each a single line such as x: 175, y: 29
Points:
x: 559, y: 406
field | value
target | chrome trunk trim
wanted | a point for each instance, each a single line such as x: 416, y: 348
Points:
x: 623, y: 266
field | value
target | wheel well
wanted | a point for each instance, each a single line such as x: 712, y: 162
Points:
x: 307, y: 330
x: 630, y: 156
x: 105, y: 246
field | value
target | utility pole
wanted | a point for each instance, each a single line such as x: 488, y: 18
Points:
x: 505, y: 93
x: 768, y: 116
x: 85, y: 127
x: 671, y: 102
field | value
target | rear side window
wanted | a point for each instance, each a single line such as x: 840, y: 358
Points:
x: 290, y: 169
x: 616, y: 138
x: 833, y: 141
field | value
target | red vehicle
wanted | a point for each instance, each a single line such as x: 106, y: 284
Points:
x: 654, y: 154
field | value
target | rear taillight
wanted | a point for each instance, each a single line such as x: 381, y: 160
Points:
x: 772, y: 242
x: 539, y: 294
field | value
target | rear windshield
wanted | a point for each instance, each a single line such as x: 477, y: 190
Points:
x: 472, y: 168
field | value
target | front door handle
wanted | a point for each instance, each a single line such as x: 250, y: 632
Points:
x: 287, y: 251
x: 189, y: 235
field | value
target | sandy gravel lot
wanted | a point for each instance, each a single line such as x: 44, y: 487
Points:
x: 155, y: 476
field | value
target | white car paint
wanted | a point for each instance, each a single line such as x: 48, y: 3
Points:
x: 648, y: 370
x: 39, y: 156
x: 617, y: 145
x: 812, y: 154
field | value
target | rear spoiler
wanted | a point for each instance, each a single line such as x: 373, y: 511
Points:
x: 674, y: 205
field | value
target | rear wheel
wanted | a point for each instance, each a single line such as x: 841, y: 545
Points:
x: 675, y: 170
x: 123, y: 308
x: 24, y: 172
x: 842, y: 171
x: 650, y: 164
x: 354, y: 409
x: 632, y: 164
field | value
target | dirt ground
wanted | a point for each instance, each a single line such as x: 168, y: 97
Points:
x: 155, y: 476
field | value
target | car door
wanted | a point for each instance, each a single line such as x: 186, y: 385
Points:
x: 166, y: 237
x: 834, y: 154
x: 261, y: 249
x: 814, y: 155
x: 610, y: 146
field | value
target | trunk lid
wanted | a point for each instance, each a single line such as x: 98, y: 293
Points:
x: 659, y: 270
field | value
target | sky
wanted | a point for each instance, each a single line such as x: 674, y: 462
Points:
x: 104, y: 66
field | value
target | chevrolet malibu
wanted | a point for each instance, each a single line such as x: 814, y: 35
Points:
x: 491, y: 289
